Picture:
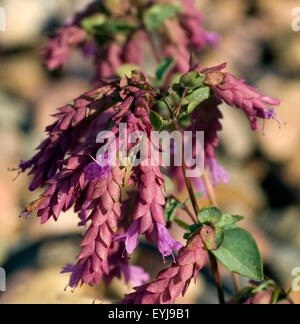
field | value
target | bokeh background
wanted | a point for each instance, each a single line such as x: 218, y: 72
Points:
x: 257, y: 42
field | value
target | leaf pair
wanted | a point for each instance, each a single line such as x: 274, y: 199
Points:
x: 236, y: 248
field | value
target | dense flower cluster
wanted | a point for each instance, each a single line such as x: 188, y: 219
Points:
x: 111, y: 48
x: 236, y: 93
x: 172, y: 282
x: 187, y: 35
x: 93, y: 187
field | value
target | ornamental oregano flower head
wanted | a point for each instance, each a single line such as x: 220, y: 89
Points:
x: 172, y: 282
x: 103, y: 157
x: 113, y: 33
x: 86, y: 173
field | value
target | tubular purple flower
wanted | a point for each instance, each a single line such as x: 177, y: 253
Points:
x: 217, y: 172
x: 166, y: 244
x: 131, y: 237
x: 134, y: 274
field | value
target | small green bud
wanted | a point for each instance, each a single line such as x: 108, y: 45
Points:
x: 208, y: 237
x: 192, y: 80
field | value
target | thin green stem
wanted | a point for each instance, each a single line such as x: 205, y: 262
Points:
x: 181, y: 102
x: 213, y: 200
x: 213, y: 260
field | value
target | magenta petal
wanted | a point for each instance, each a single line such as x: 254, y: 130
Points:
x: 130, y: 237
x: 166, y: 244
x: 135, y: 274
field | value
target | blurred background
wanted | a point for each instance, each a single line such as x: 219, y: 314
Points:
x: 257, y: 42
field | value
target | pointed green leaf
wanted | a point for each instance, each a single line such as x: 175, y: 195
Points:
x: 229, y: 222
x: 164, y: 68
x: 162, y: 72
x: 192, y: 80
x: 200, y: 95
x: 191, y: 230
x: 156, y: 120
x: 181, y: 223
x: 91, y: 23
x: 219, y: 236
x: 115, y: 26
x: 209, y: 215
x: 157, y: 14
x: 239, y: 254
x: 170, y: 209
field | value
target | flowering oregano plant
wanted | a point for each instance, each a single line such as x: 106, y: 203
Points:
x: 100, y: 156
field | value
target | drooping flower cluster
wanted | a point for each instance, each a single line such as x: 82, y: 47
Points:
x: 207, y: 117
x: 93, y: 185
x: 149, y: 215
x: 172, y: 282
x: 187, y: 35
x: 236, y: 93
x: 113, y: 33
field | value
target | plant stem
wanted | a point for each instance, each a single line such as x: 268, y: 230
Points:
x: 181, y: 102
x: 190, y: 190
x: 213, y: 260
x: 217, y: 277
x: 213, y: 200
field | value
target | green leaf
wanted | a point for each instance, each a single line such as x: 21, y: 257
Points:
x: 91, y: 23
x: 199, y: 95
x: 163, y: 71
x: 126, y: 69
x: 192, y: 80
x: 209, y: 215
x: 229, y: 222
x: 156, y: 120
x: 164, y: 68
x: 115, y: 26
x: 239, y: 254
x: 191, y: 230
x: 172, y: 205
x: 181, y: 223
x: 157, y: 14
x: 220, y: 234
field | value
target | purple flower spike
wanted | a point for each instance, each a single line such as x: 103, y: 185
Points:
x: 166, y: 244
x: 130, y: 237
x: 175, y: 280
x: 236, y: 93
